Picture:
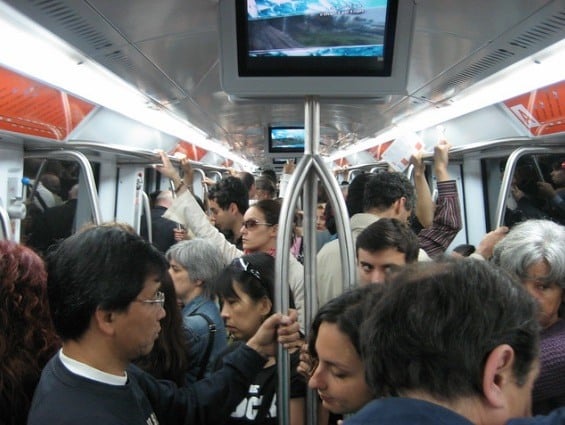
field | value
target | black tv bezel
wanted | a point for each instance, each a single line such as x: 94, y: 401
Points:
x: 330, y: 87
x: 355, y: 66
x: 284, y: 150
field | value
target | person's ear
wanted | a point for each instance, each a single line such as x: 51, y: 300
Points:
x: 498, y: 373
x: 274, y: 230
x: 232, y: 208
x: 265, y: 306
x: 398, y: 205
x: 104, y: 320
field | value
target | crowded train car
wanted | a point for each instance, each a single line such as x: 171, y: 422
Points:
x: 105, y: 106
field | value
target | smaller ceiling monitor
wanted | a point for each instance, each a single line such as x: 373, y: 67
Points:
x: 327, y: 48
x: 286, y: 139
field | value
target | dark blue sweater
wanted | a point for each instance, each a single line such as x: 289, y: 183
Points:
x: 63, y: 397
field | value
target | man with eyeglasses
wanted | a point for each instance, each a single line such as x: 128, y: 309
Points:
x: 105, y: 302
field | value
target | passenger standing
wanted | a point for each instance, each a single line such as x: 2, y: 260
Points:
x: 170, y: 357
x: 265, y: 189
x: 249, y: 182
x: 383, y: 247
x: 451, y: 343
x: 193, y: 266
x: 104, y: 295
x: 227, y: 200
x: 534, y: 251
x: 555, y: 193
x: 247, y: 289
x: 385, y: 195
x: 162, y: 229
x: 259, y: 230
x: 27, y: 336
x: 333, y: 360
x: 446, y: 221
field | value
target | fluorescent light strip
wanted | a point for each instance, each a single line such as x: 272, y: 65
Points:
x: 539, y: 70
x: 42, y: 56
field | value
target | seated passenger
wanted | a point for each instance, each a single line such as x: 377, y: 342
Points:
x: 452, y: 343
x: 106, y: 304
x: 534, y: 251
x: 27, y: 339
x: 193, y: 265
x: 246, y: 288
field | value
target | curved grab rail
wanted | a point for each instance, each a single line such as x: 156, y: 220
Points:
x: 147, y: 212
x: 87, y: 174
x: 5, y: 222
x: 507, y: 180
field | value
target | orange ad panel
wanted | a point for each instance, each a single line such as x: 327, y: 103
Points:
x: 191, y: 151
x: 29, y: 107
x: 341, y: 162
x: 377, y: 151
x: 541, y: 111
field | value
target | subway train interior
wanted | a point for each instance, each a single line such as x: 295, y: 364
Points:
x: 99, y: 86
x: 92, y: 90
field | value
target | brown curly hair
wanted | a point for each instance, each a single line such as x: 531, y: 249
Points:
x: 28, y: 339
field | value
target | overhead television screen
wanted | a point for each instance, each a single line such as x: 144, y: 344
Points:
x: 286, y: 139
x: 315, y: 37
x: 315, y: 47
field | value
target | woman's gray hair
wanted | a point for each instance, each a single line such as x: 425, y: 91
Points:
x: 530, y: 242
x: 202, y: 260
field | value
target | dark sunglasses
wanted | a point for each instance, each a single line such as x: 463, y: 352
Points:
x: 252, y: 224
x: 241, y: 264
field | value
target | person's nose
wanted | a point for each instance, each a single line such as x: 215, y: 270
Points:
x: 316, y: 380
x: 377, y: 276
x: 162, y: 312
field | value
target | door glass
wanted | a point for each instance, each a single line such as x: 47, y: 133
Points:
x: 51, y: 207
x: 537, y: 189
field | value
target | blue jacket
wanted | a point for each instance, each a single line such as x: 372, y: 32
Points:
x: 198, y: 333
x: 405, y: 411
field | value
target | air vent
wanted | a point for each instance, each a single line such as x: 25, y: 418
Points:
x: 554, y: 25
x: 478, y: 70
x: 543, y: 29
x: 70, y: 20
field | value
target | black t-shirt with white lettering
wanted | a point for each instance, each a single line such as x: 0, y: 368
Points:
x: 259, y: 407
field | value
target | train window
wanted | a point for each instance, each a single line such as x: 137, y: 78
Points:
x: 537, y: 189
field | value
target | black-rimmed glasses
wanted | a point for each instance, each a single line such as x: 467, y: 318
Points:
x: 252, y: 224
x: 158, y: 300
x: 241, y: 264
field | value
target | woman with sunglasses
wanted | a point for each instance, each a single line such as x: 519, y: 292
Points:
x: 246, y: 290
x: 258, y: 231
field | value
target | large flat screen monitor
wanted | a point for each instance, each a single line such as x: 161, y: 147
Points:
x: 331, y: 48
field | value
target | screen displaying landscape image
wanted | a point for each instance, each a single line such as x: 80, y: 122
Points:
x: 304, y: 28
x: 287, y: 139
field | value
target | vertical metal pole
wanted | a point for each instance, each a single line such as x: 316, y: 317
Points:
x: 312, y: 131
